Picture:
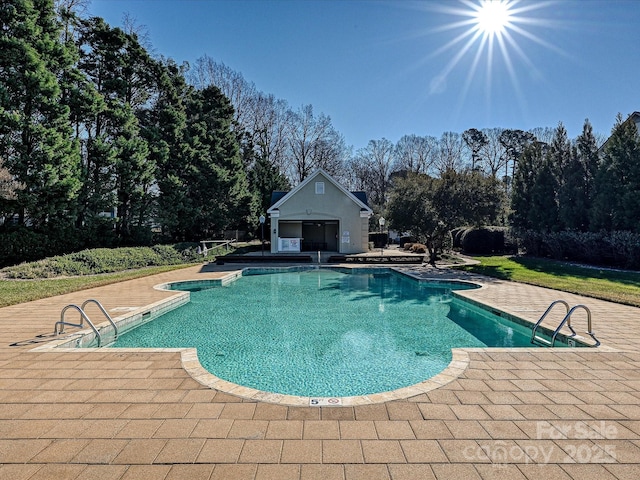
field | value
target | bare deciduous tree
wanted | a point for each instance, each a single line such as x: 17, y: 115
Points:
x: 371, y: 168
x: 543, y: 134
x: 414, y: 153
x: 131, y: 26
x: 450, y: 153
x: 475, y: 141
x: 232, y: 84
x: 268, y: 129
x: 313, y: 143
x: 492, y: 155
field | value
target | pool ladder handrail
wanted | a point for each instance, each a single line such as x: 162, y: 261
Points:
x: 535, y: 339
x: 83, y: 317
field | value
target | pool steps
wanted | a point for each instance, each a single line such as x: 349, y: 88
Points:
x: 543, y: 342
x: 59, y: 326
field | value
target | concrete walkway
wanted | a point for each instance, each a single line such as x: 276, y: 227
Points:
x: 511, y: 414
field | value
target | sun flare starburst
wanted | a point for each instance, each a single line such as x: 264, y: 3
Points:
x: 496, y: 33
x: 493, y: 16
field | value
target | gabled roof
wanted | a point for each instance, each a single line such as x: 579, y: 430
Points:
x: 278, y: 198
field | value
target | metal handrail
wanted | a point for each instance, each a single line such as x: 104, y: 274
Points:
x: 83, y: 316
x: 567, y: 319
x: 113, y: 324
x: 553, y: 304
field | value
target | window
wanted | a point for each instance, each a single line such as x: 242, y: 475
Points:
x: 319, y: 188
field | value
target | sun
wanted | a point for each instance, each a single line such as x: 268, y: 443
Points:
x: 490, y: 39
x: 493, y: 17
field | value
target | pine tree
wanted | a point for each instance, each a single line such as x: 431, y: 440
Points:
x: 36, y: 141
x: 544, y: 207
x: 570, y: 177
x: 164, y: 126
x: 523, y: 186
x: 118, y: 173
x: 220, y: 186
x: 617, y: 202
x: 265, y: 178
x: 588, y: 157
x: 203, y: 186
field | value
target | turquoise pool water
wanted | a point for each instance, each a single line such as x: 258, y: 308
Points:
x: 326, y: 333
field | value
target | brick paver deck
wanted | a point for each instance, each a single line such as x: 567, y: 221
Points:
x: 511, y: 414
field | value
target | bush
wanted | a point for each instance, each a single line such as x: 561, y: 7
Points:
x: 418, y: 248
x: 407, y: 246
x: 379, y: 239
x: 615, y: 249
x: 456, y: 237
x: 407, y: 239
x: 104, y: 260
x: 483, y: 240
x: 22, y: 244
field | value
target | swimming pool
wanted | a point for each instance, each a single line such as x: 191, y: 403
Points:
x: 325, y: 332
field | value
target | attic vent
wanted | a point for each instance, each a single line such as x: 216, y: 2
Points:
x: 319, y: 188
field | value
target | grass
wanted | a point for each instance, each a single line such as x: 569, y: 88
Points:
x: 103, y: 260
x: 94, y: 268
x: 620, y: 286
x: 20, y: 291
x: 613, y: 285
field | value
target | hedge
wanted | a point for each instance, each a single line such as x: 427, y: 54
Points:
x: 379, y: 239
x: 615, y: 249
x: 482, y: 240
x: 104, y: 260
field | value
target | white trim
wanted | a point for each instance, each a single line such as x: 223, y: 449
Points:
x: 328, y: 177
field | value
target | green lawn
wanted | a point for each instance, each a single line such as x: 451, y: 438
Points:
x: 619, y: 286
x: 19, y: 291
x: 614, y: 285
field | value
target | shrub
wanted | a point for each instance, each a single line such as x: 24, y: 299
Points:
x: 616, y: 249
x: 483, y: 240
x: 418, y: 248
x: 105, y: 260
x: 379, y: 239
x: 407, y: 239
x: 407, y: 246
x: 456, y: 237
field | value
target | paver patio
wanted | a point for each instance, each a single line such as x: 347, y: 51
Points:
x: 512, y: 413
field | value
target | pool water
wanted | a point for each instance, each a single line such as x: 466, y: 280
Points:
x: 326, y: 333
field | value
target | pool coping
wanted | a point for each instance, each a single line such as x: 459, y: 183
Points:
x: 76, y: 341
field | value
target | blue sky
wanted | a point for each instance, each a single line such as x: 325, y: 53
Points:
x: 390, y: 68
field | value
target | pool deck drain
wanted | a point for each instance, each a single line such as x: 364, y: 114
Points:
x: 511, y: 413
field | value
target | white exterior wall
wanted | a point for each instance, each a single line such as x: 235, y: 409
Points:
x: 306, y: 205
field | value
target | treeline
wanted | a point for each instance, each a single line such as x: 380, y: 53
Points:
x: 102, y: 144
x: 573, y: 200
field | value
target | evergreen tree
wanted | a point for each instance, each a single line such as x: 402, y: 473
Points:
x: 617, y: 201
x: 36, y: 141
x: 265, y: 178
x: 587, y: 154
x: 544, y: 207
x: 476, y: 141
x: 514, y: 143
x: 134, y: 178
x: 569, y: 176
x: 430, y: 208
x: 118, y: 173
x: 164, y: 126
x: 523, y: 186
x: 219, y: 185
x: 202, y: 182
